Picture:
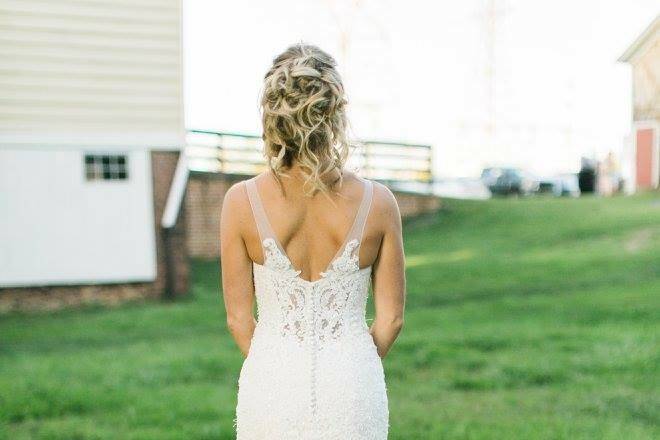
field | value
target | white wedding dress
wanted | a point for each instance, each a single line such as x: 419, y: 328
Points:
x: 312, y: 371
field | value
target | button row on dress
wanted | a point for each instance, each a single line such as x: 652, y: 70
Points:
x: 311, y: 316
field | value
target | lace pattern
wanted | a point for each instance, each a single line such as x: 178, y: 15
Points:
x: 347, y: 262
x: 314, y: 309
x: 276, y: 260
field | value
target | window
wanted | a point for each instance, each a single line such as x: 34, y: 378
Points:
x: 106, y: 167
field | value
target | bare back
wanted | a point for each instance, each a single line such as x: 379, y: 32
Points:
x: 311, y: 230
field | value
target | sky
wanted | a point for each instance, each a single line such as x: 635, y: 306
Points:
x: 537, y: 87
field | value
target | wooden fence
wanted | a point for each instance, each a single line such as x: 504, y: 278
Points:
x: 239, y: 154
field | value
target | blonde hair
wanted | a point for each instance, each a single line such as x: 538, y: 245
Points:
x: 303, y: 115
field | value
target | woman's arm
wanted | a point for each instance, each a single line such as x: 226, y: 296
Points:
x: 389, y: 279
x: 237, y: 282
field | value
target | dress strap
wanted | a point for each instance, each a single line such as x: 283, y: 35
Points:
x: 357, y: 229
x: 260, y: 218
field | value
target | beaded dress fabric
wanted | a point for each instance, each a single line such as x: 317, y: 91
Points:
x: 312, y: 371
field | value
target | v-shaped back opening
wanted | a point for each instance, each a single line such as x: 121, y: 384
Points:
x: 265, y: 229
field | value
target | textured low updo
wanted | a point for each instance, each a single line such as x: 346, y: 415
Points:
x: 303, y: 115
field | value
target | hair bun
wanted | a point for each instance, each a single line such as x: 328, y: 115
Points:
x: 303, y: 114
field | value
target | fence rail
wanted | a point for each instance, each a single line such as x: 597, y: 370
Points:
x: 240, y: 154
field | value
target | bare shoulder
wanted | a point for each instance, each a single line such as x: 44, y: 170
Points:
x: 384, y: 206
x: 236, y: 194
x: 235, y: 204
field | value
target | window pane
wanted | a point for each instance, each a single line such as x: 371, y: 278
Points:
x: 106, y: 167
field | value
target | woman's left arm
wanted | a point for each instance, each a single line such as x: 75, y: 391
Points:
x: 388, y: 276
x: 237, y: 282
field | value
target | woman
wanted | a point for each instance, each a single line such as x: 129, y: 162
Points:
x: 306, y: 238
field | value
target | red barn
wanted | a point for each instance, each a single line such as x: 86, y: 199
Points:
x: 644, y: 57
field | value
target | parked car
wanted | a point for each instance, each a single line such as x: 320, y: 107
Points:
x: 550, y: 185
x: 509, y: 181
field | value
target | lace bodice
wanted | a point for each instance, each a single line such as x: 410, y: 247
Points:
x: 322, y: 310
x: 311, y: 311
x: 313, y: 371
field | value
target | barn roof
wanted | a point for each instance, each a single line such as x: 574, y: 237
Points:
x: 634, y: 49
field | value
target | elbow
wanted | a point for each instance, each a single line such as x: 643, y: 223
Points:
x: 397, y: 323
x: 394, y: 323
x: 239, y: 325
x: 233, y: 325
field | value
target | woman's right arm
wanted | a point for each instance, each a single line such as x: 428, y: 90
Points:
x: 237, y: 283
x: 389, y: 279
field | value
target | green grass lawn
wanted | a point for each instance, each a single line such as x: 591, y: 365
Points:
x: 526, y: 319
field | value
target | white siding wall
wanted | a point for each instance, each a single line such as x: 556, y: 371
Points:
x: 76, y: 76
x: 57, y: 228
x: 91, y: 73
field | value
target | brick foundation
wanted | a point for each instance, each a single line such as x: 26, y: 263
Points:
x: 411, y: 204
x: 204, y: 198
x: 48, y: 298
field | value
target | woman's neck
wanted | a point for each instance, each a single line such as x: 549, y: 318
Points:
x: 292, y: 180
x: 297, y: 173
